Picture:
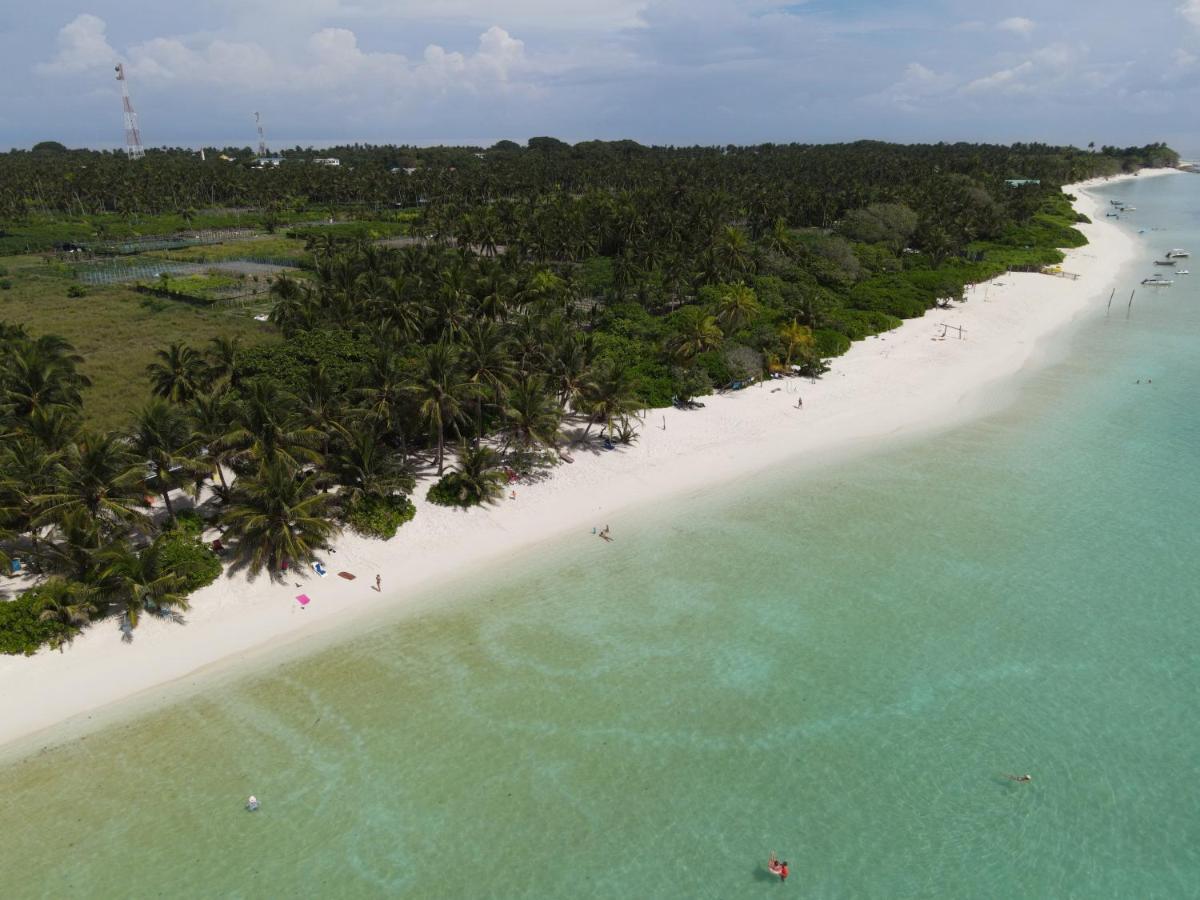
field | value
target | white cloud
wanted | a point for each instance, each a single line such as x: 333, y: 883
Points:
x: 1005, y: 79
x: 1190, y: 10
x: 1020, y: 25
x: 331, y: 58
x: 82, y: 45
x: 918, y: 85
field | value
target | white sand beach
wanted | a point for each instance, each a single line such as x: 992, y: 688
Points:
x: 899, y: 384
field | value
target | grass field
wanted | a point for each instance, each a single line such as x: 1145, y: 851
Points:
x: 268, y: 246
x: 116, y: 330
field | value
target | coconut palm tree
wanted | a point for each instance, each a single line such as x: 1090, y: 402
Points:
x: 222, y: 359
x: 162, y: 435
x: 531, y: 414
x: 441, y: 389
x: 135, y: 584
x: 609, y: 394
x: 267, y: 425
x: 362, y: 464
x: 28, y: 473
x: 797, y: 338
x: 695, y: 333
x: 277, y: 515
x: 98, y: 473
x: 178, y: 374
x: 736, y: 305
x: 211, y: 416
x: 40, y: 373
x: 70, y: 604
x: 477, y: 477
x: 487, y: 364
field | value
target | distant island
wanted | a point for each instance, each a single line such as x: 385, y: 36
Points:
x: 215, y: 363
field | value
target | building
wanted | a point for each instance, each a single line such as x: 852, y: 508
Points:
x: 328, y: 161
x: 265, y: 161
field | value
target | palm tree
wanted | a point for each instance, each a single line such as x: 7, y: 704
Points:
x: 363, y: 465
x: 278, y: 516
x: 179, y: 373
x: 75, y: 546
x: 27, y: 476
x: 68, y: 603
x: 41, y: 373
x: 797, y: 338
x: 531, y: 414
x: 609, y: 394
x: 97, y: 473
x: 696, y: 332
x: 440, y: 389
x: 267, y: 426
x: 222, y: 358
x: 477, y: 475
x: 163, y: 437
x: 486, y: 363
x: 135, y: 583
x: 211, y: 415
x: 736, y: 305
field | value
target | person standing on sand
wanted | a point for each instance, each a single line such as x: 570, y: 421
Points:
x: 378, y: 584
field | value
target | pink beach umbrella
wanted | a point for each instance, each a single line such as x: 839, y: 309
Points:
x: 303, y: 599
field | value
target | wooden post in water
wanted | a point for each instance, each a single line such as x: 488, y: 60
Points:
x: 1109, y: 307
x: 1129, y: 308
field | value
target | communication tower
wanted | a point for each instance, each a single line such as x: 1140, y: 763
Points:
x: 133, y: 135
x: 262, y: 138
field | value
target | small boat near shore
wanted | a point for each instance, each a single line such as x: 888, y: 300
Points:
x: 1157, y: 281
x: 1164, y: 262
x: 1184, y: 272
x: 1178, y: 253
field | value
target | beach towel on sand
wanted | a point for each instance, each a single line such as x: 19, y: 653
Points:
x: 303, y: 599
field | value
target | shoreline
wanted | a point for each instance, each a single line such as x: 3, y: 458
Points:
x: 901, y: 384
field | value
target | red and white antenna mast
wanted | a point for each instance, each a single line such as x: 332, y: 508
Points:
x: 133, y: 136
x: 262, y: 138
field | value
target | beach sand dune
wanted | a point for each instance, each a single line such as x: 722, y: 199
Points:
x: 919, y: 377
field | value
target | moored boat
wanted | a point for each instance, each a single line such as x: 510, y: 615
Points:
x: 1179, y: 253
x: 1156, y: 281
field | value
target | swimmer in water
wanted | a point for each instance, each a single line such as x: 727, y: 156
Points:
x: 777, y: 867
x: 252, y: 803
x: 1020, y: 778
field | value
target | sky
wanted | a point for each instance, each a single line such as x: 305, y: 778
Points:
x: 323, y: 72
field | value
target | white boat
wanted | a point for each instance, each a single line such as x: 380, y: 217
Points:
x: 1155, y: 281
x: 1178, y: 252
x: 1183, y: 272
x: 1128, y: 209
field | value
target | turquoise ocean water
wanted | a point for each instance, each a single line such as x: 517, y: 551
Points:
x: 840, y: 665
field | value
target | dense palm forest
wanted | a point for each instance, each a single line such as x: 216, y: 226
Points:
x: 542, y: 298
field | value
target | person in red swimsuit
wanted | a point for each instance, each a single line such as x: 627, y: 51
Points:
x: 776, y: 867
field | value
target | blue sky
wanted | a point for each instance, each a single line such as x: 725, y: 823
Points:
x: 658, y: 71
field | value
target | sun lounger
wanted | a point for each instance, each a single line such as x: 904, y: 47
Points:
x: 320, y: 569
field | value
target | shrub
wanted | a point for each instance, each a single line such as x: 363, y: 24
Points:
x: 830, y: 343
x: 189, y: 523
x: 184, y: 555
x: 379, y: 517
x: 447, y: 491
x: 21, y: 631
x: 76, y: 290
x: 5, y: 284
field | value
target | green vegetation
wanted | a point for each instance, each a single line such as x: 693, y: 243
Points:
x: 114, y: 330
x: 554, y: 293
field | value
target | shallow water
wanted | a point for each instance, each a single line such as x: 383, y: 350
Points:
x: 840, y: 666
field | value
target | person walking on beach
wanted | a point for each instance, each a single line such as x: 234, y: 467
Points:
x: 799, y: 403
